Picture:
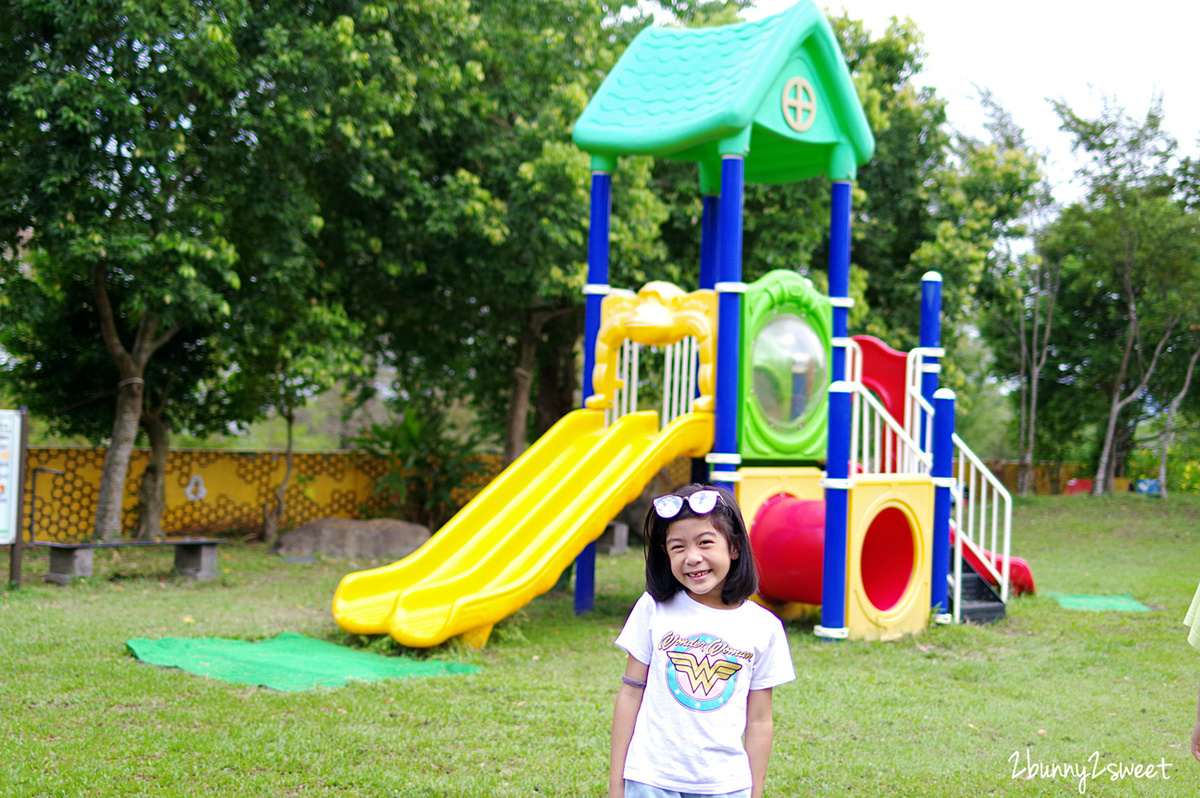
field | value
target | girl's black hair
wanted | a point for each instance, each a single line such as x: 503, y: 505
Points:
x: 742, y: 581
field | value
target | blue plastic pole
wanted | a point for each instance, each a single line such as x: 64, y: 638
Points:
x: 724, y: 458
x: 709, y: 225
x: 943, y: 479
x: 597, y: 284
x: 931, y: 337
x: 839, y: 272
x: 585, y: 579
x: 597, y: 288
x: 837, y: 508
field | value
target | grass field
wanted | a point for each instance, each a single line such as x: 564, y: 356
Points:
x: 956, y: 711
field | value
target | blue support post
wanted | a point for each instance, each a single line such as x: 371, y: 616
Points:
x: 709, y: 235
x: 709, y: 225
x: 943, y: 482
x: 724, y: 459
x: 837, y: 461
x: 930, y: 338
x: 837, y: 514
x: 597, y: 284
x: 596, y: 290
x: 839, y: 274
x: 585, y: 579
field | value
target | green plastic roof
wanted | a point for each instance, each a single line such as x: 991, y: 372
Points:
x: 776, y: 90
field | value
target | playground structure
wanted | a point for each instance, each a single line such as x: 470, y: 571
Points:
x: 762, y: 380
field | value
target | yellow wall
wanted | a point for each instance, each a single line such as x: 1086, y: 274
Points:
x: 229, y: 490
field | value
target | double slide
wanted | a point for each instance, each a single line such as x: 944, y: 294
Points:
x: 513, y: 541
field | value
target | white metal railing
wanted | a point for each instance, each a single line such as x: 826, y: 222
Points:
x: 982, y: 521
x: 982, y: 505
x: 679, y: 380
x: 880, y: 444
x: 625, y: 396
x: 918, y: 413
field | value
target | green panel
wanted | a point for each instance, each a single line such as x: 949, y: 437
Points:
x: 784, y: 370
x: 812, y: 112
x: 690, y: 94
x: 676, y: 87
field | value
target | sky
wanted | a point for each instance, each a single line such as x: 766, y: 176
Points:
x: 1025, y: 51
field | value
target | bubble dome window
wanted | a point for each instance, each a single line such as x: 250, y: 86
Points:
x: 790, y: 371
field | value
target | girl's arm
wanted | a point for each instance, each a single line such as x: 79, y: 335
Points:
x: 760, y: 730
x: 629, y: 701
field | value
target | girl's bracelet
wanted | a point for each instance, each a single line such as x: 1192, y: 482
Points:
x: 632, y: 682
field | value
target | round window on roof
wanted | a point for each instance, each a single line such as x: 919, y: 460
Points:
x: 790, y: 371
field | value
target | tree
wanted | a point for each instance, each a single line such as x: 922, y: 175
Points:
x: 499, y: 229
x: 1019, y: 306
x: 1137, y: 241
x: 144, y: 144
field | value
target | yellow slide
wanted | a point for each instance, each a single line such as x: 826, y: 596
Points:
x: 513, y: 540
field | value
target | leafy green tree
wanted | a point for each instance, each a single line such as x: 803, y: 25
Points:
x: 1019, y: 301
x: 927, y: 200
x: 1140, y: 246
x: 173, y: 152
x: 498, y: 234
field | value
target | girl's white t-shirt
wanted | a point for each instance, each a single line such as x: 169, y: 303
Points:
x: 703, y: 664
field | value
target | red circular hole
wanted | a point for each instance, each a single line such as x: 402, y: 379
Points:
x: 888, y: 555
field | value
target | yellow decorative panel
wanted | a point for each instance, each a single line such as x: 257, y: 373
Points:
x: 208, y: 491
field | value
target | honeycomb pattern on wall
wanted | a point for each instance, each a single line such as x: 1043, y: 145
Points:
x: 211, y: 492
x: 66, y: 504
x: 680, y: 470
x: 208, y: 491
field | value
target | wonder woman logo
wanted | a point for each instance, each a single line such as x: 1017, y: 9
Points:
x: 704, y: 681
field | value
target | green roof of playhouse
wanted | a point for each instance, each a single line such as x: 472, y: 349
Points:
x: 776, y: 90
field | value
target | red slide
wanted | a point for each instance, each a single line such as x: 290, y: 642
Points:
x: 1020, y: 577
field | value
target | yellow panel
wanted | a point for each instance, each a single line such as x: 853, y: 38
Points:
x: 913, y: 496
x: 659, y: 314
x: 513, y: 540
x: 759, y: 484
x: 212, y: 491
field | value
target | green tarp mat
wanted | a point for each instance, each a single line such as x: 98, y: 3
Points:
x: 1085, y: 601
x: 288, y: 662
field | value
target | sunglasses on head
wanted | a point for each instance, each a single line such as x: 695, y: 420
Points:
x: 702, y: 502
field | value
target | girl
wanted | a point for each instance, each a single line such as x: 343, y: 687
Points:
x: 702, y: 659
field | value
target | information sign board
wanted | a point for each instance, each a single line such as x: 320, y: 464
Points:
x: 10, y: 475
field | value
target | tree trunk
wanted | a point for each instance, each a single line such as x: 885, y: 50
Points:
x: 515, y: 430
x: 152, y: 495
x: 1168, y: 436
x: 516, y: 426
x: 1123, y: 444
x: 1036, y: 354
x: 274, y: 516
x: 131, y: 365
x: 1101, y: 483
x: 1025, y: 476
x: 111, y: 497
x: 1108, y: 455
x: 557, y: 369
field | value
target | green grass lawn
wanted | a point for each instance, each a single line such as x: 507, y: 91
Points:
x: 952, y: 712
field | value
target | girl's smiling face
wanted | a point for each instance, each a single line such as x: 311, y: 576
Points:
x: 700, y: 558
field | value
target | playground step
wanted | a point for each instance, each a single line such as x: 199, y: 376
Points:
x: 980, y: 603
